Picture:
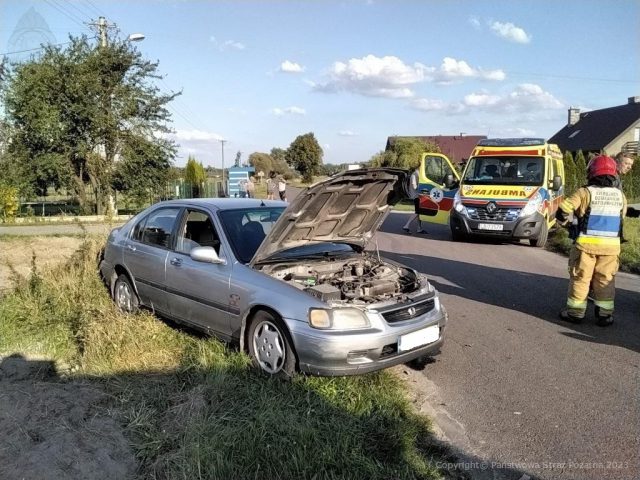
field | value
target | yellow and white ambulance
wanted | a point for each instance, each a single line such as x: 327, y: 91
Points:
x: 509, y: 188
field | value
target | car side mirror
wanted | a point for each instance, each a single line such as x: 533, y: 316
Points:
x: 557, y: 183
x: 449, y: 180
x: 206, y: 255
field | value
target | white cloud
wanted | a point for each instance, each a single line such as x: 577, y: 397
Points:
x: 510, y: 32
x: 392, y: 78
x: 428, y: 105
x: 226, y: 44
x: 195, y: 135
x: 475, y: 23
x: 279, y: 112
x: 527, y: 98
x: 347, y: 133
x: 452, y: 69
x: 374, y: 77
x: 291, y: 67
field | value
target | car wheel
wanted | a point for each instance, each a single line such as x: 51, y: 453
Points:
x: 457, y: 235
x: 270, y: 348
x: 124, y: 295
x: 541, y: 241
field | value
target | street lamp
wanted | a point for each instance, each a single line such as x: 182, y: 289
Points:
x: 136, y: 37
x: 224, y: 186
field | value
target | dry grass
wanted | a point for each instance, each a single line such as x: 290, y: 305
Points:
x: 194, y: 408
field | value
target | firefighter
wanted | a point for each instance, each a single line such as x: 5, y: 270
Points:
x: 599, y: 208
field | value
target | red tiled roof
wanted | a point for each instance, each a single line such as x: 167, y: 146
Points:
x: 458, y: 148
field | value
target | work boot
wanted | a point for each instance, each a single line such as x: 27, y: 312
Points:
x: 604, y: 320
x: 568, y: 317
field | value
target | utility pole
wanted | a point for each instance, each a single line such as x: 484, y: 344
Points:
x: 102, y: 26
x: 224, y: 184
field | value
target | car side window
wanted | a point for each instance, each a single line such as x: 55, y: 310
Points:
x: 138, y: 230
x: 159, y: 227
x: 197, y: 231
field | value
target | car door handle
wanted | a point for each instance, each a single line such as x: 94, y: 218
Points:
x: 176, y: 261
x: 131, y: 247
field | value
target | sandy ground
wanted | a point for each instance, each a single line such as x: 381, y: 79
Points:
x: 53, y: 428
x: 56, y: 429
x: 16, y: 253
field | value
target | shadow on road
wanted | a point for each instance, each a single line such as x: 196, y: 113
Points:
x: 535, y: 294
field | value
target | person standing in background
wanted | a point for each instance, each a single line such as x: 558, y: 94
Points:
x: 282, y: 188
x: 271, y: 186
x: 251, y: 187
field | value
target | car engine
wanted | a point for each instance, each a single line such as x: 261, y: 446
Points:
x: 362, y: 280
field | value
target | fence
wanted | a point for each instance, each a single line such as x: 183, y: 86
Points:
x: 53, y: 205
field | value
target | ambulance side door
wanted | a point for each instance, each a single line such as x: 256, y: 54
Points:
x: 436, y: 198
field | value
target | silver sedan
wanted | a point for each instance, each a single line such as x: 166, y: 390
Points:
x: 292, y: 284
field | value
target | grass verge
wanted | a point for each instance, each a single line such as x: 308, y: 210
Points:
x: 193, y: 408
x: 630, y: 251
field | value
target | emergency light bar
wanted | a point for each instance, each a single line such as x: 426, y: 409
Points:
x: 511, y: 142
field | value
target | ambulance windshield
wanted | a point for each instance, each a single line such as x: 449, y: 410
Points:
x: 504, y: 170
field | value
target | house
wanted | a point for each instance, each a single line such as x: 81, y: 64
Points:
x: 457, y: 148
x: 236, y: 174
x: 609, y: 130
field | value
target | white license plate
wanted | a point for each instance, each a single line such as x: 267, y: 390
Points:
x: 418, y: 338
x: 490, y: 226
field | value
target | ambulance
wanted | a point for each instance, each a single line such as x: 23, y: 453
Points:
x: 509, y: 188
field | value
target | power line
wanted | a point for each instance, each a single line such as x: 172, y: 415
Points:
x: 83, y: 13
x: 95, y: 9
x: 570, y: 77
x: 40, y: 48
x: 72, y: 17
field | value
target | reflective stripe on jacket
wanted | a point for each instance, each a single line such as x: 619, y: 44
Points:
x: 600, y: 202
x: 603, y: 217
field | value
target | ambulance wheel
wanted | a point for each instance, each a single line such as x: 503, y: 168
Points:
x: 457, y: 235
x: 541, y: 241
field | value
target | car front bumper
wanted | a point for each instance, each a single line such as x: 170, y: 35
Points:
x: 338, y: 354
x: 521, y: 228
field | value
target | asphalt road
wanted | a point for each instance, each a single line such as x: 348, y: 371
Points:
x: 514, y: 385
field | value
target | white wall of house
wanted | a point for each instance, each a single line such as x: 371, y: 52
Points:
x: 629, y: 135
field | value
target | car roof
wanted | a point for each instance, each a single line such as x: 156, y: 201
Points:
x: 222, y: 203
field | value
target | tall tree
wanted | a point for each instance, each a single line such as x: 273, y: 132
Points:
x: 278, y: 160
x: 406, y: 153
x: 75, y: 111
x: 195, y: 175
x: 581, y: 169
x: 569, y: 174
x: 305, y: 155
x: 262, y: 162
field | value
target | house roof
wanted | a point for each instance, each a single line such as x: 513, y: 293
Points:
x: 457, y: 147
x: 596, y: 129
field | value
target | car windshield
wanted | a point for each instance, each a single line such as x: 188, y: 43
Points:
x: 504, y: 170
x: 317, y: 250
x: 247, y: 227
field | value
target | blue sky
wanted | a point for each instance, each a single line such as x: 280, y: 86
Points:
x: 260, y: 73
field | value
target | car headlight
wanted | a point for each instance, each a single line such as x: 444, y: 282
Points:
x: 337, y: 319
x: 532, y: 205
x: 457, y: 204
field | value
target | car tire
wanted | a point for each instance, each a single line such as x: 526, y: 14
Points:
x: 270, y: 346
x: 124, y: 295
x: 457, y: 235
x: 541, y: 241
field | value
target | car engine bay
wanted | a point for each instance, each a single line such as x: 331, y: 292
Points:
x: 362, y: 280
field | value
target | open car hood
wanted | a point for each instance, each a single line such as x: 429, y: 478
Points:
x: 347, y: 208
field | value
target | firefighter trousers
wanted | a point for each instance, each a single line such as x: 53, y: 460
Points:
x: 599, y: 271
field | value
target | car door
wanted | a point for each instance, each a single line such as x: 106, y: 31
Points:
x: 436, y: 198
x: 198, y: 292
x: 146, y: 252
